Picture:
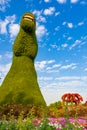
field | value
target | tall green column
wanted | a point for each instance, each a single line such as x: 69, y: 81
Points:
x: 20, y: 84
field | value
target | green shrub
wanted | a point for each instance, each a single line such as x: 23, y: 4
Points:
x: 16, y: 109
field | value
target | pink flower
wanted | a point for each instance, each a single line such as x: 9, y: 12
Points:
x: 36, y: 121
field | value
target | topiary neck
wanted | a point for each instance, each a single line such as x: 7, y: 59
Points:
x: 25, y: 44
x: 30, y: 33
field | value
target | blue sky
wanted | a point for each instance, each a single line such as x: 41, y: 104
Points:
x: 61, y: 31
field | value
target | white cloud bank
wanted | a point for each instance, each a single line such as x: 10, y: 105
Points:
x: 54, y: 90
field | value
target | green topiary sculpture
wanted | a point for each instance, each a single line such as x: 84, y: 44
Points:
x: 20, y: 85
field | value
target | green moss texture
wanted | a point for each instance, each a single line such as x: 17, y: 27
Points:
x: 20, y: 85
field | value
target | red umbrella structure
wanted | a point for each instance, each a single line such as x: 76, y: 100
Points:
x: 72, y: 97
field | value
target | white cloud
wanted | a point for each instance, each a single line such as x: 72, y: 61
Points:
x: 47, y: 66
x: 45, y: 78
x: 0, y: 56
x: 74, y: 1
x: 13, y: 29
x: 57, y: 28
x: 56, y: 65
x: 50, y: 61
x: 49, y: 11
x: 53, y: 91
x: 4, y: 4
x: 38, y: 13
x: 40, y: 65
x: 69, y: 78
x: 40, y: 31
x: 85, y: 69
x: 64, y: 23
x: 3, y: 70
x: 11, y: 19
x: 84, y: 38
x: 55, y: 46
x: 80, y: 23
x: 70, y: 25
x: 65, y: 84
x: 64, y: 45
x: 69, y: 66
x: 77, y: 42
x: 39, y: 16
x: 46, y: 1
x: 61, y: 1
x: 7, y: 55
x: 57, y: 13
x: 69, y: 38
x: 53, y: 67
x: 53, y: 71
x: 49, y: 95
x: 3, y: 25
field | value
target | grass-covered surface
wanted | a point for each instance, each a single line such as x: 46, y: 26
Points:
x: 53, y: 117
x: 20, y: 84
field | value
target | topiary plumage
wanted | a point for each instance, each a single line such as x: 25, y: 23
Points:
x: 20, y: 85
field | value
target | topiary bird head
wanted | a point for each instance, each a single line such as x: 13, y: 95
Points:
x: 28, y: 22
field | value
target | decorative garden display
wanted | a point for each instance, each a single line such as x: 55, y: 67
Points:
x: 72, y: 98
x: 20, y: 84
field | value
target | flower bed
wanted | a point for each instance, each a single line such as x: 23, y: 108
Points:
x: 57, y: 116
x: 44, y: 124
x: 62, y: 123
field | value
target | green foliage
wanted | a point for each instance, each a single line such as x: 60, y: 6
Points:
x: 30, y: 117
x: 66, y: 110
x: 45, y: 125
x: 70, y: 126
x: 18, y: 109
x: 78, y: 111
x: 56, y: 109
x: 57, y: 105
x: 36, y: 124
x: 21, y: 85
